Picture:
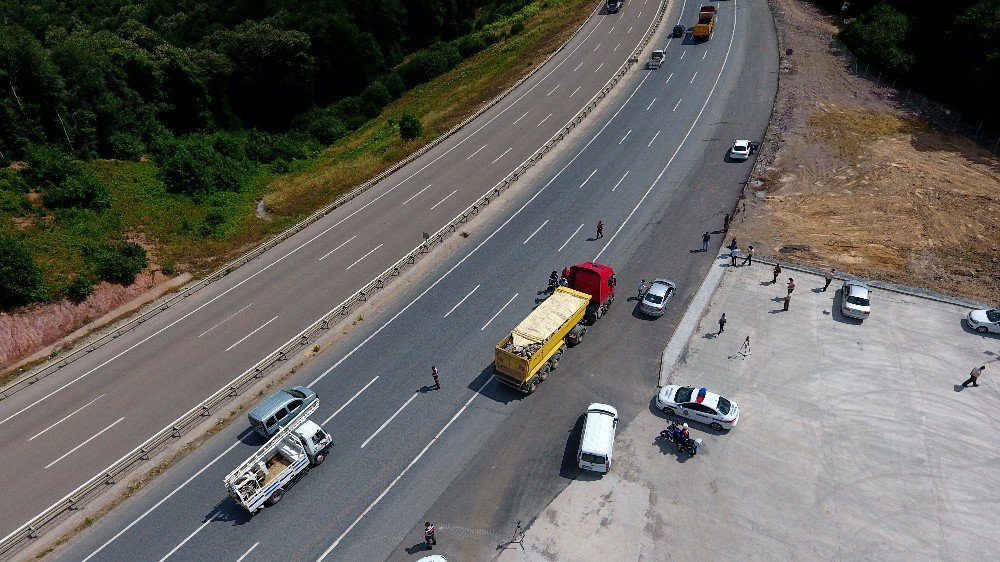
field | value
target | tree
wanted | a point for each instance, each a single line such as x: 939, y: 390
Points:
x: 81, y: 189
x: 410, y: 127
x: 20, y: 278
x: 193, y: 166
x: 879, y: 36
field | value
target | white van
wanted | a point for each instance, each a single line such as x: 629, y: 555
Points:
x: 598, y: 440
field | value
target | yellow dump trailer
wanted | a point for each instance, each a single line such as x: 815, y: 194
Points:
x: 525, y: 356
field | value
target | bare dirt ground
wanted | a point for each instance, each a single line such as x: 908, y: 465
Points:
x: 851, y: 179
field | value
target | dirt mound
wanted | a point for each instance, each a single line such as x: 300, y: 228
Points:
x: 855, y: 182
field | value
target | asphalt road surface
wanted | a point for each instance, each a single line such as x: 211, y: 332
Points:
x: 475, y: 456
x: 73, y: 424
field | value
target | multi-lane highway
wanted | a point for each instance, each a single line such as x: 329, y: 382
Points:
x: 475, y: 456
x: 68, y: 427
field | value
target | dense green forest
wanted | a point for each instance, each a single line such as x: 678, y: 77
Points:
x: 204, y: 101
x: 947, y: 50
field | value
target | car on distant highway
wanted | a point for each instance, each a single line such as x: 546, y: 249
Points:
x: 855, y: 300
x: 655, y: 299
x: 984, y: 321
x: 679, y: 31
x: 279, y: 408
x: 699, y: 405
x: 740, y: 150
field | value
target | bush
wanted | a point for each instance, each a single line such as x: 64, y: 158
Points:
x: 410, y: 127
x: 79, y: 288
x: 193, y: 166
x: 427, y: 64
x: 120, y: 264
x: 323, y: 125
x: 48, y: 164
x: 20, y: 278
x: 126, y: 146
x: 168, y: 267
x: 82, y: 189
x: 517, y: 27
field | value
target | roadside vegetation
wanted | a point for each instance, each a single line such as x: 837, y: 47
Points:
x: 949, y: 51
x: 145, y: 135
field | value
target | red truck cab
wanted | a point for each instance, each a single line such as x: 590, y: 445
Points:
x: 598, y: 281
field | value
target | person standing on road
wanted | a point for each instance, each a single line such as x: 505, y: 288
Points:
x: 437, y: 381
x: 429, y: 535
x: 829, y: 278
x: 749, y: 259
x: 777, y: 272
x: 974, y: 377
x: 791, y: 287
x: 600, y: 229
x: 788, y: 300
x: 722, y: 324
x: 705, y: 239
x: 642, y: 290
x: 734, y: 253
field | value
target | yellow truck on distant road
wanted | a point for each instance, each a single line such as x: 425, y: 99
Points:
x: 526, y: 355
x: 706, y: 22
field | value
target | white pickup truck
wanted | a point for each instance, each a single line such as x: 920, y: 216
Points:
x: 264, y: 477
x: 655, y: 59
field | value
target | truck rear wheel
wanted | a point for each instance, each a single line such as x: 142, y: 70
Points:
x: 533, y: 386
x: 544, y: 372
x: 276, y: 496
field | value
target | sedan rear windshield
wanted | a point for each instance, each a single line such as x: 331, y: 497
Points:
x: 654, y: 299
x: 725, y: 406
x: 683, y: 395
x: 993, y: 315
x: 857, y: 300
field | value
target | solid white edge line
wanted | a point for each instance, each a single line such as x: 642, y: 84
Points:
x: 459, y: 303
x: 373, y: 250
x: 230, y: 317
x: 588, y: 177
x: 697, y: 118
x: 416, y: 194
x: 574, y: 233
x: 346, y: 241
x: 165, y: 498
x: 386, y: 422
x: 443, y: 200
x: 259, y: 328
x: 494, y: 317
x: 535, y: 232
x: 189, y: 537
x: 66, y: 418
x: 247, y: 553
x: 403, y: 473
x: 92, y: 437
x: 345, y: 404
x: 681, y: 14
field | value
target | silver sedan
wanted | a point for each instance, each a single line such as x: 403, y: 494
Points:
x: 654, y: 301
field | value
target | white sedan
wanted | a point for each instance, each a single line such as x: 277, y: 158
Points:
x: 698, y: 404
x: 740, y: 150
x: 984, y: 321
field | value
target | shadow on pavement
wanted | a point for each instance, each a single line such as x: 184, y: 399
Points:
x: 569, y: 468
x: 494, y: 389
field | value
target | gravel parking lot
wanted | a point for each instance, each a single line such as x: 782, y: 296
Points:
x: 856, y: 440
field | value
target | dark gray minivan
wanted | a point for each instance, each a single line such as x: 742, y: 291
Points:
x: 279, y: 408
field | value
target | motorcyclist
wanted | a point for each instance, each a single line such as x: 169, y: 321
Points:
x: 685, y: 433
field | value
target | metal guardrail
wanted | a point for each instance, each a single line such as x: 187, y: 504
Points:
x: 196, y: 415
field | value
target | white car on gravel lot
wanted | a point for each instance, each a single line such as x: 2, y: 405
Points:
x: 984, y: 321
x: 699, y: 405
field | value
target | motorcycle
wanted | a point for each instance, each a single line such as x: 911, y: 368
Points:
x: 684, y: 443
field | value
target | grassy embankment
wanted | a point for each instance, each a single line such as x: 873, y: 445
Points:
x: 172, y: 227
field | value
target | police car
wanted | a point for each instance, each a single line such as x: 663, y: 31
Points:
x: 699, y: 405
